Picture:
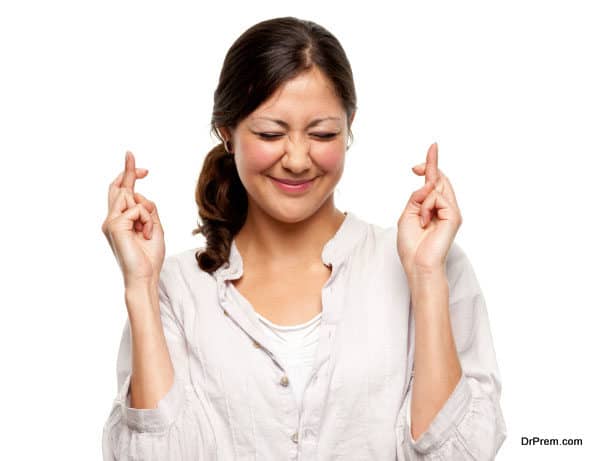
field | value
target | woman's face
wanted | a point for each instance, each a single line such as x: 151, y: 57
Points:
x: 299, y: 134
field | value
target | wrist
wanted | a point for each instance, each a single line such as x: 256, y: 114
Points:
x: 429, y: 293
x: 426, y: 276
x: 132, y: 282
x: 141, y: 295
x: 428, y: 282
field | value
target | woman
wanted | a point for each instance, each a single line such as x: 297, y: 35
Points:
x: 298, y: 331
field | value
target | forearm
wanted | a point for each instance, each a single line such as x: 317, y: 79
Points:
x: 437, y: 367
x: 152, y: 371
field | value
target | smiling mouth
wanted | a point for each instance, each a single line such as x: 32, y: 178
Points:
x: 292, y: 182
x: 296, y: 187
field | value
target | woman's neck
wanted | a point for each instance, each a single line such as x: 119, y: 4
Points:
x: 265, y: 240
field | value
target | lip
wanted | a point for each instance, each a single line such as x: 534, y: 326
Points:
x: 293, y: 186
x: 293, y: 182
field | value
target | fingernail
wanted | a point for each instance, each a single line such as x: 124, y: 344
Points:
x: 422, y: 221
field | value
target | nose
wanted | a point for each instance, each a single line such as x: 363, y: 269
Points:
x: 297, y: 155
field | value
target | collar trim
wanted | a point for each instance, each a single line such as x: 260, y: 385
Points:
x: 333, y: 253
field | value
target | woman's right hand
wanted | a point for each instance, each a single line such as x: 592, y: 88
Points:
x: 133, y: 228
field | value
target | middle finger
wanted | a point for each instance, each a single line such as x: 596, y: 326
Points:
x: 431, y: 170
x: 129, y: 178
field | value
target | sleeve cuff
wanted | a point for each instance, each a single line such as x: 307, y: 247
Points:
x: 445, y: 421
x: 153, y: 419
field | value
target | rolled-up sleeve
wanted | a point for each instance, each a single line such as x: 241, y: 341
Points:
x: 470, y: 425
x: 178, y: 428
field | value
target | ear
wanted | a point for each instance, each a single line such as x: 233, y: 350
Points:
x: 353, y: 115
x: 225, y: 133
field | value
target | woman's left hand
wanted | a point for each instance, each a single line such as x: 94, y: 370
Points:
x: 423, y: 248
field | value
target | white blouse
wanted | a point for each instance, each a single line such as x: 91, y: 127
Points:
x: 296, y: 345
x: 233, y: 397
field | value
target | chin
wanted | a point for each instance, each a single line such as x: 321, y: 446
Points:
x: 292, y: 212
x: 293, y: 215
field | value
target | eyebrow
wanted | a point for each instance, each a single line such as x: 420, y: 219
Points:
x: 286, y: 125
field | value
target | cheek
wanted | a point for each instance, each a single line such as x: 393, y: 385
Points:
x: 257, y: 157
x: 330, y: 159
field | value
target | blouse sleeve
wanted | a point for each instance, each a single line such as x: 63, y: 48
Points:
x: 470, y: 425
x: 178, y: 428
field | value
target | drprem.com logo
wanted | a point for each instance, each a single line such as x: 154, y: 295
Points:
x: 540, y: 441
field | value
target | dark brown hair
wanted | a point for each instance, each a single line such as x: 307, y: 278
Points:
x: 263, y: 58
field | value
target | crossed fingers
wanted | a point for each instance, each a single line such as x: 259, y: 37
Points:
x: 121, y: 193
x: 126, y: 178
x: 434, y: 175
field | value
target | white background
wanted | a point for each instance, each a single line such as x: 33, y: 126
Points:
x: 508, y: 89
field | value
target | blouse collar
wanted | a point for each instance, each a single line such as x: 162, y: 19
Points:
x: 334, y: 251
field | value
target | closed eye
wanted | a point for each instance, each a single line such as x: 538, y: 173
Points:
x: 278, y: 135
x: 325, y: 135
x: 269, y: 135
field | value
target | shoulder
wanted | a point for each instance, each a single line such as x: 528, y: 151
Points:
x: 181, y: 270
x: 374, y: 251
x: 370, y: 238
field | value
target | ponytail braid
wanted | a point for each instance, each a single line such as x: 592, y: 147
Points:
x: 222, y: 206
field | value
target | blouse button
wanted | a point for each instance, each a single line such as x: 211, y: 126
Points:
x: 294, y: 438
x: 284, y: 382
x: 257, y: 345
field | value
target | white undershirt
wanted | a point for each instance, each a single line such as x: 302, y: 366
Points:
x: 296, y: 346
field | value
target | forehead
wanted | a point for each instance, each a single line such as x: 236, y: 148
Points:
x: 307, y: 96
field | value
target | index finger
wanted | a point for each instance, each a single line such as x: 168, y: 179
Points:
x: 129, y: 177
x: 115, y: 185
x: 431, y: 170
